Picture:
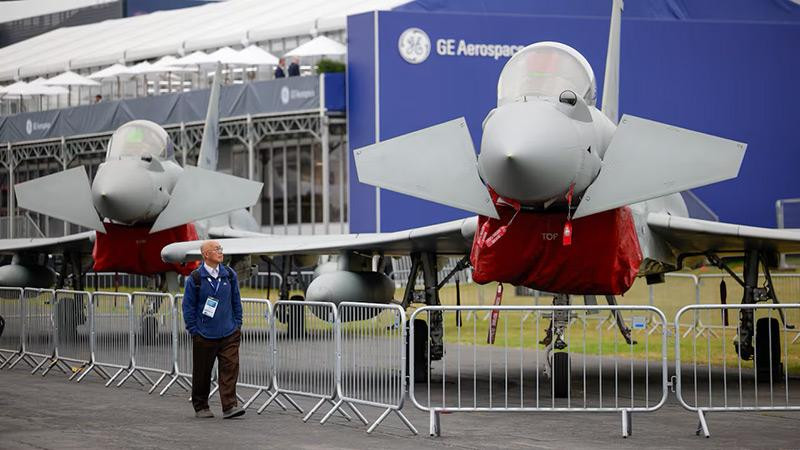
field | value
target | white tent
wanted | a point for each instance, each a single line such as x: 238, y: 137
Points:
x: 193, y: 59
x: 162, y: 33
x: 319, y: 46
x: 228, y: 57
x: 257, y: 56
x: 70, y: 78
x: 112, y: 72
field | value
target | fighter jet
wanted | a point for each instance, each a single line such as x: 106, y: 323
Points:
x: 569, y: 200
x: 140, y: 200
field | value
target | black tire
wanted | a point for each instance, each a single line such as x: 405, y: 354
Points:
x: 768, y: 349
x: 296, y: 318
x: 420, y: 344
x: 561, y: 373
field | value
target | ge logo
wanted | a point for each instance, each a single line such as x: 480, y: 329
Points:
x: 29, y: 126
x: 414, y: 45
x: 285, y: 95
x: 549, y: 236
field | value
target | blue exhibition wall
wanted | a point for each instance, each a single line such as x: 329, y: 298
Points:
x: 732, y: 79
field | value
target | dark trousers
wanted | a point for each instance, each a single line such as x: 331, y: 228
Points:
x: 226, y: 352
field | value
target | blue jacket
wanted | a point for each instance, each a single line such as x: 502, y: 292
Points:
x: 228, y: 316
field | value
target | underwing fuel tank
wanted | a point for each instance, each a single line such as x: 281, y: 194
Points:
x: 18, y: 275
x: 347, y: 286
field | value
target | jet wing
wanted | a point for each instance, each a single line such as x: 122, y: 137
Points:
x: 449, y: 238
x: 81, y: 242
x: 688, y: 235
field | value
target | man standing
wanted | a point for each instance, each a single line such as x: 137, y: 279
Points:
x: 294, y: 68
x: 279, y: 69
x: 212, y: 310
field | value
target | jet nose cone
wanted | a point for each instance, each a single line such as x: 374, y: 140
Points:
x: 122, y: 192
x: 528, y: 152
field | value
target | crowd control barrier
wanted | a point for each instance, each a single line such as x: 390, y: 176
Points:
x: 711, y: 377
x: 583, y: 358
x: 11, y: 339
x: 304, y: 353
x: 536, y: 359
x: 372, y: 360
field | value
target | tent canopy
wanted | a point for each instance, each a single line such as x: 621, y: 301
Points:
x: 257, y: 56
x: 318, y: 46
x: 153, y: 35
x: 70, y: 78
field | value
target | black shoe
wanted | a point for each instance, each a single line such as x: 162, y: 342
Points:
x: 233, y: 412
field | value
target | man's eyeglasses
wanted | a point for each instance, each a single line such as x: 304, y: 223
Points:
x: 216, y: 250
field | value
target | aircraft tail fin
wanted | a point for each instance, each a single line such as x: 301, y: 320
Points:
x: 200, y: 194
x: 648, y: 159
x: 209, y: 146
x: 610, y: 105
x: 436, y: 163
x: 64, y: 195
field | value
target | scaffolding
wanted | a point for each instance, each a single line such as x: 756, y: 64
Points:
x: 301, y: 157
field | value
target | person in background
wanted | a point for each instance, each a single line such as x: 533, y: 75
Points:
x: 98, y: 98
x: 294, y: 68
x: 212, y: 311
x: 279, y: 73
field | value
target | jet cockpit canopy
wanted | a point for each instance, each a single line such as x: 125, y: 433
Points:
x: 138, y: 139
x: 546, y: 69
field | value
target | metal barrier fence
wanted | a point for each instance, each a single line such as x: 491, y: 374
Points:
x: 72, y: 314
x: 705, y: 384
x: 11, y: 338
x: 37, y: 315
x: 355, y: 354
x: 255, y: 359
x: 304, y: 353
x: 153, y: 337
x: 112, y: 340
x: 372, y: 359
x: 514, y: 383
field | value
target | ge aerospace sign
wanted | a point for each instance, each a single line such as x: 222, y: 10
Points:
x: 415, y: 47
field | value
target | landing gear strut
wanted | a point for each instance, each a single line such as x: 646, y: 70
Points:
x: 767, y: 347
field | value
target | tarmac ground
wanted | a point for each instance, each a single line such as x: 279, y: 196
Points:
x: 52, y: 413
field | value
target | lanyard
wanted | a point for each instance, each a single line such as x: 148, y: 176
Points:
x: 211, y: 282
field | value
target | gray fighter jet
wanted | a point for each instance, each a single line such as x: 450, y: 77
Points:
x: 546, y: 147
x: 140, y: 186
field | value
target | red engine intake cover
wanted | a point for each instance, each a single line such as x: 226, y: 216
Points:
x: 132, y: 249
x: 603, y: 258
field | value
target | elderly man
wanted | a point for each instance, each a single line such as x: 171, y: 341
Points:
x: 212, y: 310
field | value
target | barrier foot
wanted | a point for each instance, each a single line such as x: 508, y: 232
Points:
x: 796, y: 338
x: 379, y: 420
x: 155, y: 385
x: 169, y: 385
x: 327, y: 416
x: 183, y: 383
x: 406, y: 421
x: 39, y: 366
x: 314, y: 409
x: 213, y: 391
x: 60, y: 365
x: 114, y: 377
x: 435, y: 424
x: 358, y: 413
x: 103, y: 374
x: 702, y: 425
x: 266, y: 403
x: 21, y: 358
x: 85, y: 372
x: 252, y: 398
x: 8, y: 359
x: 128, y: 375
x: 76, y: 373
x: 292, y: 402
x: 627, y: 424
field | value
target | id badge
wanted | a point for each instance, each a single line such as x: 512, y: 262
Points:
x: 211, y: 307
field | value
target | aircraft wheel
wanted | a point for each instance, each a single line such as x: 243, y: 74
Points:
x: 420, y: 351
x: 296, y: 318
x: 561, y: 373
x: 768, y: 349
